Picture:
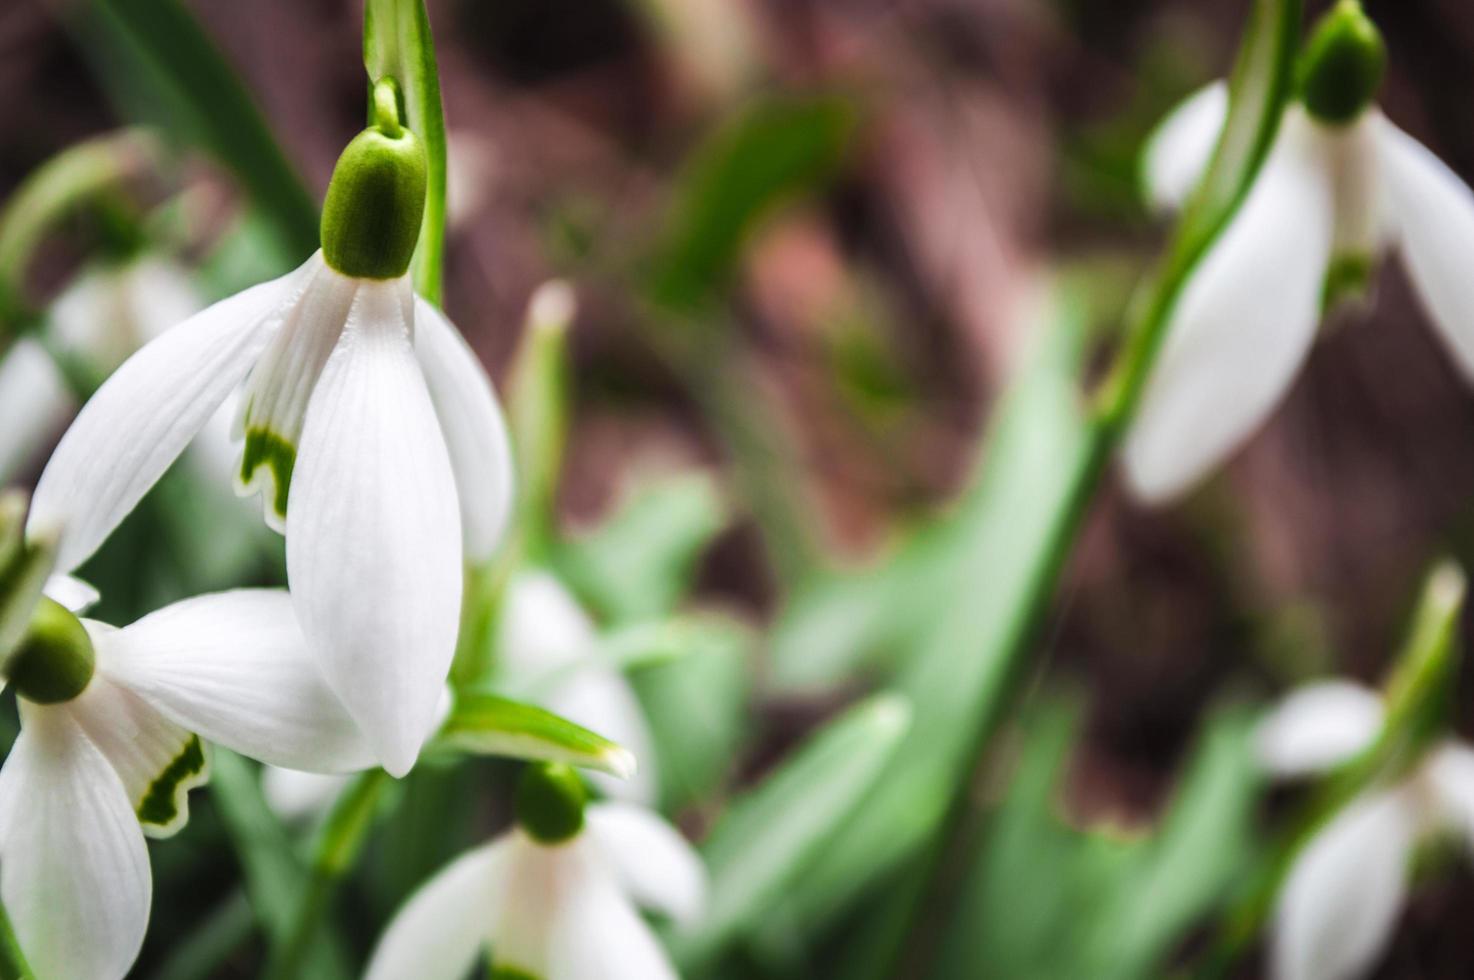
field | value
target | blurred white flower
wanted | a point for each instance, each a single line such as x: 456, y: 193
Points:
x: 295, y: 795
x: 1329, y: 202
x: 88, y: 777
x: 564, y: 911
x: 371, y: 408
x: 106, y: 313
x: 1340, y: 902
x: 548, y: 651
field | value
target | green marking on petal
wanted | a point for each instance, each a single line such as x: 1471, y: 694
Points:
x: 165, y: 806
x: 1347, y: 280
x: 279, y: 456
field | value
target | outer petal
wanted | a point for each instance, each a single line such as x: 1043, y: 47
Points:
x: 653, y: 862
x: 34, y: 402
x: 73, y: 868
x: 145, y: 414
x: 598, y: 935
x: 373, y: 532
x: 1432, y: 211
x: 1338, y: 906
x: 440, y: 930
x: 1317, y: 727
x: 297, y: 795
x: 157, y: 761
x: 234, y: 667
x: 1242, y: 327
x: 1450, y: 771
x: 475, y: 431
x: 1182, y: 144
x: 71, y: 592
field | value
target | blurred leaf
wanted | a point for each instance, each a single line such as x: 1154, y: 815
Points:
x: 397, y: 43
x: 639, y: 562
x: 767, y: 838
x: 775, y: 150
x: 23, y: 575
x: 539, y: 400
x: 160, y: 67
x: 487, y: 724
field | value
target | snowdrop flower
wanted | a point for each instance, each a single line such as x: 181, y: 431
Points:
x: 362, y: 407
x: 1340, y: 186
x: 110, y: 745
x: 552, y: 899
x: 548, y: 648
x: 106, y: 313
x: 1339, y: 904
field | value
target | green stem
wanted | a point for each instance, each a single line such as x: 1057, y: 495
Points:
x: 337, y: 846
x: 13, y: 965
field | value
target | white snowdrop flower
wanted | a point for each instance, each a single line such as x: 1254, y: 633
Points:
x: 1340, y: 187
x: 1340, y: 902
x: 294, y: 795
x: 548, y: 650
x: 362, y: 407
x: 106, y: 313
x: 554, y: 898
x: 110, y: 745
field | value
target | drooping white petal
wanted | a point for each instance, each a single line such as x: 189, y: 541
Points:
x: 598, y: 935
x: 600, y: 698
x: 373, y: 530
x: 653, y: 862
x: 275, y: 400
x: 1180, y: 147
x: 475, y: 431
x: 441, y: 929
x: 1450, y: 771
x: 1317, y: 727
x: 74, y: 871
x: 541, y: 627
x: 541, y: 879
x: 71, y: 592
x: 296, y: 795
x: 158, y: 761
x: 1432, y: 212
x: 1355, y: 159
x: 34, y: 402
x: 235, y: 667
x: 144, y: 415
x: 1242, y: 326
x: 1340, y: 901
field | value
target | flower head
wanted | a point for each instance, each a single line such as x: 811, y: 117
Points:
x: 369, y: 427
x: 1340, y: 187
x: 1340, y: 902
x: 554, y: 898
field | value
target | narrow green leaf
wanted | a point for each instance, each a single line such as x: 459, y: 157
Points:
x: 488, y: 724
x: 397, y: 43
x: 538, y: 400
x: 767, y: 838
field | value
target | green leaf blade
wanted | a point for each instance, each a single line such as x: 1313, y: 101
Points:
x: 488, y: 724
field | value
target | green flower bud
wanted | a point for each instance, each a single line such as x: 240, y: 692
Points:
x: 1342, y: 65
x: 54, y: 661
x: 550, y: 802
x: 371, y: 218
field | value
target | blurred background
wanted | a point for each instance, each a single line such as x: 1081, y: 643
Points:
x: 808, y: 239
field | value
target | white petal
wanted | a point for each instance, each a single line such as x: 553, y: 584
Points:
x: 444, y: 925
x: 145, y: 414
x: 541, y: 627
x: 110, y: 310
x: 373, y: 533
x: 1432, y: 211
x: 158, y: 761
x: 295, y: 795
x: 600, y: 699
x: 475, y: 431
x: 73, y: 867
x: 654, y: 863
x: 71, y: 592
x: 275, y: 400
x: 34, y: 402
x: 1339, y: 904
x: 1451, y: 773
x: 234, y: 667
x: 542, y: 879
x: 1357, y: 185
x: 1180, y: 147
x: 598, y: 935
x: 1317, y: 727
x: 1242, y: 327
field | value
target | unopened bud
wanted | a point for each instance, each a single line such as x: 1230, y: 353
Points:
x: 550, y: 802
x: 1342, y: 65
x: 54, y: 660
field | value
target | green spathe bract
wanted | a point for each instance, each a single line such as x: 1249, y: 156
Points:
x: 54, y: 661
x: 1342, y: 65
x: 371, y: 218
x: 550, y: 802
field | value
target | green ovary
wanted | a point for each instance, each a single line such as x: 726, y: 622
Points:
x: 266, y: 448
x: 160, y: 805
